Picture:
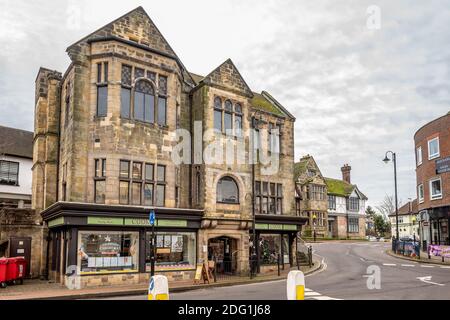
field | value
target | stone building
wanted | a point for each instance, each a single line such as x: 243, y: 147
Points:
x: 107, y: 133
x: 311, y: 190
x: 21, y: 229
x: 346, y: 207
x: 432, y: 148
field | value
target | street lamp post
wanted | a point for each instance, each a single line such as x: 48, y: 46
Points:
x: 394, y: 160
x: 254, y: 125
x: 314, y: 223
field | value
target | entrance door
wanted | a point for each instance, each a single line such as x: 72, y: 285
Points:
x: 21, y: 247
x: 222, y: 250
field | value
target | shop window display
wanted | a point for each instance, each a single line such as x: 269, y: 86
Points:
x: 108, y: 251
x: 270, y: 248
x: 174, y: 251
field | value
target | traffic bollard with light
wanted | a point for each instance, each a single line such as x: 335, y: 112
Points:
x: 296, y: 285
x: 158, y: 288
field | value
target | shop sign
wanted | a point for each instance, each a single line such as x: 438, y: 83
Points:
x: 136, y: 222
x: 171, y: 223
x: 443, y: 165
x: 55, y: 222
x: 290, y: 227
x: 261, y: 226
x: 276, y: 226
x: 105, y: 220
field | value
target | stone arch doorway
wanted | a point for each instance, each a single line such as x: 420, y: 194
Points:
x: 224, y: 251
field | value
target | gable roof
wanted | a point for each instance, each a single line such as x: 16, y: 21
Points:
x: 409, y: 208
x: 228, y: 76
x: 301, y: 167
x: 339, y: 187
x: 129, y: 28
x: 16, y: 142
x: 132, y: 24
x: 342, y: 188
x: 260, y: 102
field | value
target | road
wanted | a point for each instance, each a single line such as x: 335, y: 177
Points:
x: 344, y: 276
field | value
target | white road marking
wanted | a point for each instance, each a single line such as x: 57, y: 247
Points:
x: 445, y: 267
x: 425, y: 266
x: 312, y: 293
x: 389, y: 264
x: 325, y: 298
x: 408, y: 265
x: 428, y: 280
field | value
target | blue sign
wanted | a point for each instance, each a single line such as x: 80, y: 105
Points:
x: 152, y: 284
x: 151, y: 218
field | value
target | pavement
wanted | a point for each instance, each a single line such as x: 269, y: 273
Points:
x: 350, y: 271
x: 423, y: 258
x: 44, y: 290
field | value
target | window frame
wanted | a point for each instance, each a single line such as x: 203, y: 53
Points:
x: 142, y: 74
x: 16, y: 183
x: 435, y: 155
x: 421, y: 188
x: 237, y: 202
x: 102, y: 82
x: 431, y: 188
x: 419, y: 156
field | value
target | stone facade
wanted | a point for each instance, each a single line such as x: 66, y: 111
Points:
x: 71, y: 134
x: 312, y: 197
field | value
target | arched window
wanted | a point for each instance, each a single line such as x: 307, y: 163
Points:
x: 144, y: 102
x: 227, y: 191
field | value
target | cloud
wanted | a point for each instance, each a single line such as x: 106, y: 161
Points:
x: 355, y: 92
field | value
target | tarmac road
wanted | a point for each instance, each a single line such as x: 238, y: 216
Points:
x: 344, y: 276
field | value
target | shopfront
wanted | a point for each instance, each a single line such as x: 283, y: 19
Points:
x: 106, y: 245
x: 277, y: 241
x: 434, y: 226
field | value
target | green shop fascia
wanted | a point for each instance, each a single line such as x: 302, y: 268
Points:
x: 104, y: 239
x: 277, y: 238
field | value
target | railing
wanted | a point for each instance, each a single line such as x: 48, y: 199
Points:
x: 304, y: 253
x: 406, y: 248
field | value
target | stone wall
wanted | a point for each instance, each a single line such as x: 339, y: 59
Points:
x: 24, y: 223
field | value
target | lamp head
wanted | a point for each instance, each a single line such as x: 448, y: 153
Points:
x: 386, y: 159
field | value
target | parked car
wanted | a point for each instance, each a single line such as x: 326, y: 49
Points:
x: 407, y: 238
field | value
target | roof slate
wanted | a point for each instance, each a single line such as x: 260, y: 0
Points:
x: 16, y: 142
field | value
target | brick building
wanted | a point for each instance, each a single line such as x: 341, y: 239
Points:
x: 105, y: 138
x: 432, y: 148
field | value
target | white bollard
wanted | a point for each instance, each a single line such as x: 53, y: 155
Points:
x: 158, y: 288
x: 296, y: 285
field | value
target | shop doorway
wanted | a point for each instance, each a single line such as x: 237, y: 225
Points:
x: 223, y: 250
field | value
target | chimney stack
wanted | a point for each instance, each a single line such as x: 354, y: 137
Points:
x: 346, y: 173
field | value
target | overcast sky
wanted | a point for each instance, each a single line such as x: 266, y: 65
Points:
x: 357, y: 86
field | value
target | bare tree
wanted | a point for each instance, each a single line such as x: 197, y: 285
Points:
x: 387, y: 206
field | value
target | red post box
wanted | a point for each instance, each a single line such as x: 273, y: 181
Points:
x: 3, y: 269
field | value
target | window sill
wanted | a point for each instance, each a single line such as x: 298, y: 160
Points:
x: 9, y: 184
x: 436, y: 198
x: 152, y: 124
x: 433, y: 156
